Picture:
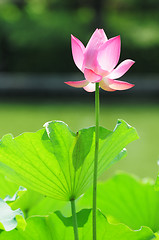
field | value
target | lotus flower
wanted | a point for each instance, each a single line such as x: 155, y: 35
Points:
x: 98, y: 61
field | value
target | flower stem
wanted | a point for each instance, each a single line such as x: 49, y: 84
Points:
x: 74, y: 218
x: 96, y: 160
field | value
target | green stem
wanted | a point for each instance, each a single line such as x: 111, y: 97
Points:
x: 74, y: 218
x: 96, y: 160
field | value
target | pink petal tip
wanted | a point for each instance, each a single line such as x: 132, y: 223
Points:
x: 77, y: 51
x: 121, y: 69
x: 120, y: 85
x: 77, y: 84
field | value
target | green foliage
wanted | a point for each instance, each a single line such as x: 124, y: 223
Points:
x: 30, y: 202
x: 128, y: 203
x: 59, y: 163
x: 129, y: 200
x: 56, y: 226
x: 30, y: 117
x: 7, y: 187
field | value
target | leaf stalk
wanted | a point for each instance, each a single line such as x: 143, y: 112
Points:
x: 96, y: 160
x: 74, y: 218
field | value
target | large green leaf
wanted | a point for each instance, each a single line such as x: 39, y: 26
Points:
x: 30, y: 202
x: 126, y: 199
x: 56, y: 226
x: 7, y: 187
x: 33, y: 203
x: 59, y: 163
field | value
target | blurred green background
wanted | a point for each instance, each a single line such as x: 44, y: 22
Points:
x: 35, y: 34
x: 35, y: 38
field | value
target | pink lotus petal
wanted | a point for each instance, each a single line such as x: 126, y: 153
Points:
x: 77, y: 51
x: 91, y: 87
x: 121, y: 69
x: 105, y: 86
x: 90, y: 56
x: 109, y: 53
x: 92, y: 76
x: 77, y: 84
x: 118, y: 85
x: 98, y: 39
